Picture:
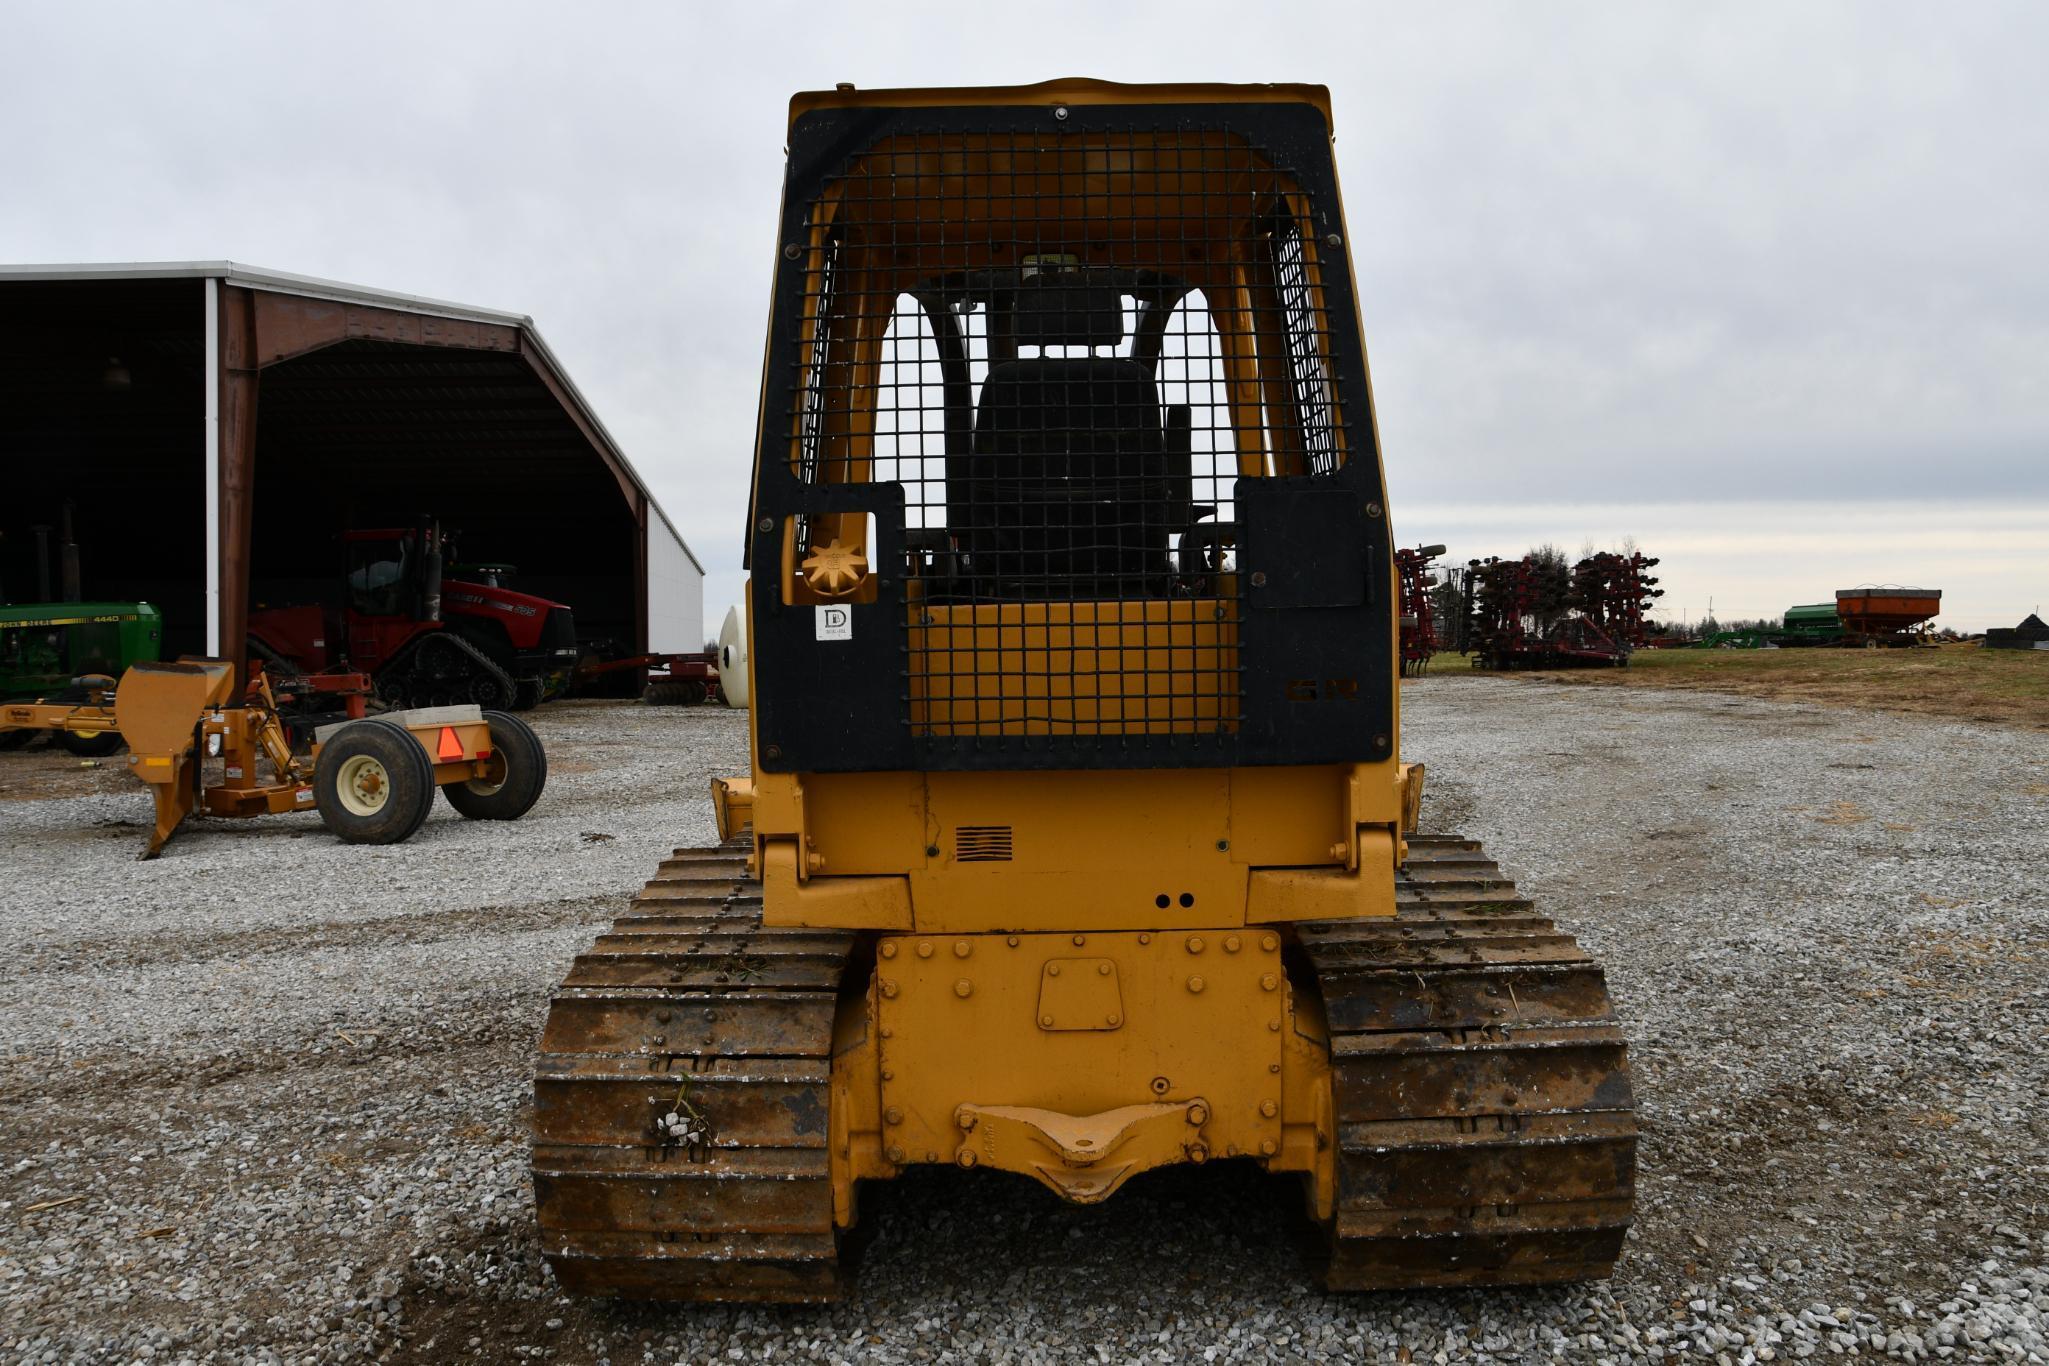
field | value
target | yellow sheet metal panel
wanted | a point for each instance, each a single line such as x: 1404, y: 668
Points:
x: 1114, y: 849
x: 1286, y: 816
x: 1288, y: 894
x: 965, y: 1022
x: 158, y: 706
x: 828, y: 902
x: 864, y: 823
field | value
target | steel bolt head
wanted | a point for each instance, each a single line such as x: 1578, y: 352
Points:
x: 1046, y: 1021
x: 1333, y: 240
x: 1268, y: 1146
x: 893, y: 1115
x: 1231, y: 944
x: 1145, y: 939
x: 1161, y: 1086
x: 1198, y: 1153
x: 791, y: 251
x: 1052, y: 969
x: 1195, y: 984
x: 966, y: 1157
x: 924, y: 948
x: 1198, y: 1114
x: 964, y: 988
x: 765, y: 525
x: 1194, y: 943
x: 1080, y: 939
x: 964, y: 1117
x: 895, y: 1154
x: 1012, y: 941
x: 889, y: 988
x: 1270, y: 943
x: 1102, y: 969
x: 961, y: 948
x: 1112, y: 1020
x: 1269, y: 982
x: 1060, y: 112
x: 1269, y: 1109
x: 888, y: 950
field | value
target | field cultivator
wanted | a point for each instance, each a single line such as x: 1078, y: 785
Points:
x: 1419, y: 617
x: 1536, y: 614
x: 673, y: 680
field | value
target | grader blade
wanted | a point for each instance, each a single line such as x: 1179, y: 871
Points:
x: 158, y: 709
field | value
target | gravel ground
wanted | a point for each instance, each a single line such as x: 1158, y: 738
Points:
x: 265, y: 1098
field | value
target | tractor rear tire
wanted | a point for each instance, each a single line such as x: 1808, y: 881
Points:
x: 519, y: 783
x: 374, y: 783
x: 96, y: 744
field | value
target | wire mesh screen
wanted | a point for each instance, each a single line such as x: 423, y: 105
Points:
x: 1066, y: 350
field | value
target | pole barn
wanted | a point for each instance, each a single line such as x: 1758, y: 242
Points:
x: 212, y: 429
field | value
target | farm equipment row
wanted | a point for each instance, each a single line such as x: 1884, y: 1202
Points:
x: 1535, y: 613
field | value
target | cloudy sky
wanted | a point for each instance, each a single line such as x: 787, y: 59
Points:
x: 1765, y: 286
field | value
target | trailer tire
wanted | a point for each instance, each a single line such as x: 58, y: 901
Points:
x: 514, y: 743
x: 96, y: 744
x: 374, y: 783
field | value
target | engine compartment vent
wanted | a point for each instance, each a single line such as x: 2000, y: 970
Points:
x: 981, y: 844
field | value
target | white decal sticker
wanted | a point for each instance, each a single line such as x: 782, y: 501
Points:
x: 835, y: 623
x: 234, y: 773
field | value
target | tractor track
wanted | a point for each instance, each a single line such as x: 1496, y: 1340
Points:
x: 733, y: 1021
x: 1485, y: 1125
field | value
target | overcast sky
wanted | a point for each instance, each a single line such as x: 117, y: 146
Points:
x: 1765, y: 286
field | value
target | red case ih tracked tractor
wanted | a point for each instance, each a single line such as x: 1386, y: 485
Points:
x: 423, y: 642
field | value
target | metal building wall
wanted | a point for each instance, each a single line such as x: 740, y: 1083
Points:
x: 675, y: 591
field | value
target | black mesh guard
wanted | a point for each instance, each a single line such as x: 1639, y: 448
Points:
x: 1096, y: 378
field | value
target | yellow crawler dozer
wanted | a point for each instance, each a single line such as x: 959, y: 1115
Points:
x: 1077, y: 841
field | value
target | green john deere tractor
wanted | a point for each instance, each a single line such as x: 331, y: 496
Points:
x: 46, y: 647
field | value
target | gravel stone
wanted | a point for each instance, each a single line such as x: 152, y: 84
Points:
x: 266, y: 1099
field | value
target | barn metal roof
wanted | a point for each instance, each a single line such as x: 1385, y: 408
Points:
x: 307, y: 286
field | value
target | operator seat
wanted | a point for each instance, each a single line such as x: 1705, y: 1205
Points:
x: 1074, y: 484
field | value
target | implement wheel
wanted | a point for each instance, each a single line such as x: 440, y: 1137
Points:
x: 519, y: 770
x: 96, y: 744
x: 673, y: 693
x: 374, y: 783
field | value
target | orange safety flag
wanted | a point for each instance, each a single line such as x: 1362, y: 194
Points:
x: 451, y: 748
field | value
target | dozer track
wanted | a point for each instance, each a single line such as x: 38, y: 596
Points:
x: 1486, y: 1129
x: 1486, y: 1132
x: 714, y: 1184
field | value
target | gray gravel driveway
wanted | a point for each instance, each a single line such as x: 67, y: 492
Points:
x: 265, y: 1098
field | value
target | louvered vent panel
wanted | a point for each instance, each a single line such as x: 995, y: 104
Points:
x: 982, y: 844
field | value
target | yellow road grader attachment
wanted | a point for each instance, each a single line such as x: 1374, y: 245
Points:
x: 1077, y: 842
x: 372, y: 780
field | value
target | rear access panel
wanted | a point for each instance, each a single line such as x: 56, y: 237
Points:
x: 1080, y: 1059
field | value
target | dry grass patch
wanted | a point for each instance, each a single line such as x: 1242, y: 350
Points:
x: 2005, y: 687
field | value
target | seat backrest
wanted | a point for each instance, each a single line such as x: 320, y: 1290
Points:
x: 1064, y: 487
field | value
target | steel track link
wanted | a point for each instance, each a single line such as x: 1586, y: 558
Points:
x: 690, y: 1007
x: 1486, y: 1127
